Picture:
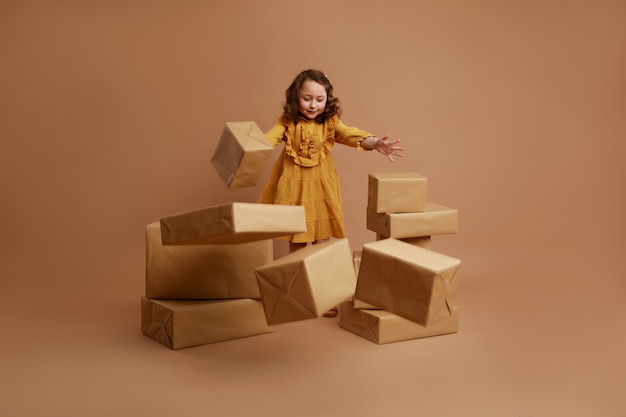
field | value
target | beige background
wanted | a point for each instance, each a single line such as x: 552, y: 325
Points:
x: 514, y: 110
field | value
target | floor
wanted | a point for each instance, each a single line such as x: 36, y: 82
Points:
x: 523, y: 350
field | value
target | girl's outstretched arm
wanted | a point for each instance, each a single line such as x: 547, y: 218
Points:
x: 383, y: 145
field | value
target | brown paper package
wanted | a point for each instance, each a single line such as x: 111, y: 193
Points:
x: 435, y: 220
x: 415, y: 283
x: 180, y: 324
x: 241, y: 154
x: 203, y: 271
x: 308, y: 282
x: 396, y: 192
x: 380, y: 326
x: 232, y: 223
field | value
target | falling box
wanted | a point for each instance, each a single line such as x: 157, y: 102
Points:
x: 397, y: 192
x: 203, y: 271
x: 232, y: 223
x: 415, y: 283
x: 241, y: 154
x: 380, y: 326
x: 308, y: 282
x: 179, y: 324
x: 435, y: 220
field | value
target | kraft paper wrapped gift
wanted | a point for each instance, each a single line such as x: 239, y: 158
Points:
x: 435, y: 220
x: 415, y: 283
x: 356, y: 259
x: 308, y: 282
x: 396, y: 192
x: 203, y: 271
x: 232, y: 223
x: 421, y: 241
x: 380, y: 326
x: 180, y: 324
x: 241, y: 154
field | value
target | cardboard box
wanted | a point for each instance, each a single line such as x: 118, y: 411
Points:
x: 380, y: 326
x: 356, y: 259
x: 203, y: 271
x: 179, y: 324
x: 415, y: 283
x: 232, y: 223
x: 421, y: 241
x: 241, y: 154
x: 397, y: 192
x: 308, y: 282
x: 435, y: 220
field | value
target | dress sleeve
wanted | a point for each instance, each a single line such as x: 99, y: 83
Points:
x: 350, y: 136
x: 276, y: 133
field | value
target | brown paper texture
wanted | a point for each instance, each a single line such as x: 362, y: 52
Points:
x: 203, y: 271
x: 380, y: 326
x: 241, y: 154
x: 232, y: 223
x: 415, y: 283
x: 308, y: 282
x: 356, y: 259
x: 179, y: 324
x: 396, y: 192
x: 421, y: 241
x: 435, y: 220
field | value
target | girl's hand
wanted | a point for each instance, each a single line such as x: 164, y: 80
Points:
x: 387, y: 147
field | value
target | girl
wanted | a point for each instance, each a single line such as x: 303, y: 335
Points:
x: 305, y: 173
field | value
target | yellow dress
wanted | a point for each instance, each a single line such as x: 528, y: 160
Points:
x: 305, y: 173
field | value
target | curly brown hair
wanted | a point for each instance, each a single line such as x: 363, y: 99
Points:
x: 290, y: 107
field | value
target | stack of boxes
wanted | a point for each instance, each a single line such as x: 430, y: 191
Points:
x: 201, y: 285
x: 211, y: 276
x: 404, y: 289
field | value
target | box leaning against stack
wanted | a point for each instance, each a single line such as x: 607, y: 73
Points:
x: 404, y: 289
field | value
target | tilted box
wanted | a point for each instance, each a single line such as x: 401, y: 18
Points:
x: 232, y: 223
x: 308, y: 282
x: 241, y: 154
x: 415, y: 283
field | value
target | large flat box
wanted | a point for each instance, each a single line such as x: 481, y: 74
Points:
x: 241, y: 154
x: 396, y: 192
x: 435, y: 220
x: 380, y: 326
x: 203, y: 271
x: 415, y: 283
x: 180, y: 324
x: 232, y: 223
x: 308, y: 282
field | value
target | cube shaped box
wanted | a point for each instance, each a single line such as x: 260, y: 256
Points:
x: 380, y: 326
x: 203, y: 271
x: 179, y: 324
x: 435, y: 220
x: 396, y: 192
x: 232, y: 223
x: 415, y: 283
x: 308, y: 282
x: 241, y: 154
